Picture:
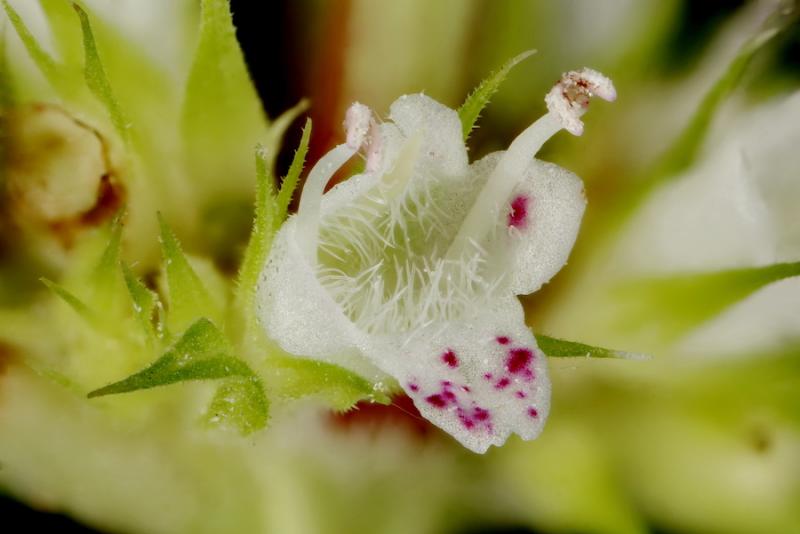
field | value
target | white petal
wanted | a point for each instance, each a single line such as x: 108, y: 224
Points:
x: 539, y: 225
x: 300, y: 315
x: 480, y: 379
x: 440, y: 128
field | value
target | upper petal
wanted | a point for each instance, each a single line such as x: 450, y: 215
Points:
x: 440, y: 128
x: 537, y: 228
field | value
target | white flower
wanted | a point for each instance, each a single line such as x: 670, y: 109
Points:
x: 412, y: 269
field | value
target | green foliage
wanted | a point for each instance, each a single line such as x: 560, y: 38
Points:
x: 471, y: 109
x: 671, y: 306
x: 73, y: 301
x: 203, y: 353
x: 684, y: 150
x: 188, y: 298
x: 292, y: 178
x: 144, y: 303
x: 239, y: 403
x: 220, y: 99
x: 46, y: 64
x: 265, y: 224
x: 340, y: 388
x: 561, y: 348
x: 96, y: 78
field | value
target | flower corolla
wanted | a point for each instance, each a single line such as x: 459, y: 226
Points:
x: 412, y: 268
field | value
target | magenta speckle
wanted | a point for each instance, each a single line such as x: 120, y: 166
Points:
x: 502, y: 383
x: 450, y: 358
x: 518, y: 216
x: 437, y: 400
x: 488, y: 376
x: 521, y: 394
x: 503, y: 340
x: 413, y: 387
x: 481, y: 414
x: 448, y: 395
x: 518, y: 360
x: 532, y: 412
x: 446, y: 383
x: 466, y: 388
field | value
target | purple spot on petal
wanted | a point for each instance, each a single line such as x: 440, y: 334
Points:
x: 518, y: 360
x: 532, y: 412
x: 488, y: 376
x: 502, y: 383
x: 450, y: 358
x: 518, y: 215
x: 481, y: 414
x: 503, y: 340
x: 521, y: 394
x: 466, y: 388
x: 413, y: 387
x: 437, y: 400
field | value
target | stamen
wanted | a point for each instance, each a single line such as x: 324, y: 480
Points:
x: 566, y: 102
x: 357, y: 123
x: 569, y: 98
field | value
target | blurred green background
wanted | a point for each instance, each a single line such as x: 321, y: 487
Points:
x: 688, y: 253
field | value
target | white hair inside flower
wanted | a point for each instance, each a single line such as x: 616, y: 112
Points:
x: 412, y: 268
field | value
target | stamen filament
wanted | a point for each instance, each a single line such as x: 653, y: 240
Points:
x: 498, y: 188
x: 311, y: 198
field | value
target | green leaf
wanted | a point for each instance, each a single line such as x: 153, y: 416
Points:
x: 240, y: 403
x: 222, y: 116
x: 105, y: 277
x: 672, y: 306
x: 279, y: 126
x: 7, y: 96
x: 74, y: 302
x: 96, y: 78
x: 187, y: 298
x: 202, y: 353
x: 65, y: 33
x: 561, y: 348
x: 685, y: 149
x: 340, y: 388
x: 471, y: 109
x: 144, y: 303
x: 289, y: 184
x: 46, y: 64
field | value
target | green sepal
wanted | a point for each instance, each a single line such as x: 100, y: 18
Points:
x: 222, y: 116
x: 471, y: 109
x: 96, y: 79
x: 292, y: 178
x: 339, y: 388
x: 46, y: 64
x: 79, y: 306
x: 239, y: 403
x: 561, y: 348
x: 187, y: 297
x: 144, y: 303
x: 672, y: 306
x: 264, y: 225
x: 684, y: 150
x: 202, y: 353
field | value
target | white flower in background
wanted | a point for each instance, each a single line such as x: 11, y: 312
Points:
x: 412, y: 268
x: 736, y: 208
